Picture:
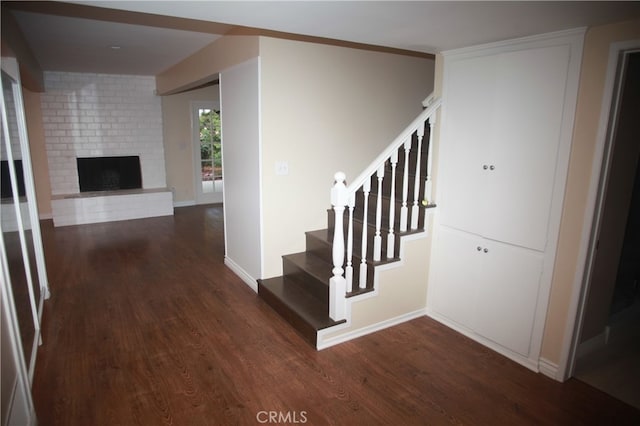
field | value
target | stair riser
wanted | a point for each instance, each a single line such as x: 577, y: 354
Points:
x: 371, y: 229
x: 357, y: 241
x: 399, y: 183
x: 400, y: 165
x: 372, y: 212
x: 319, y: 247
x: 298, y: 323
x: 323, y: 249
x: 318, y: 288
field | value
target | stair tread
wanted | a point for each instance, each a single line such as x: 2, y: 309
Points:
x: 312, y: 311
x: 315, y: 266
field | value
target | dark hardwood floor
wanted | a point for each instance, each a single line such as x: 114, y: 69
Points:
x: 146, y: 326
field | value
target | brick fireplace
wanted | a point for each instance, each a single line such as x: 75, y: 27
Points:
x: 98, y: 116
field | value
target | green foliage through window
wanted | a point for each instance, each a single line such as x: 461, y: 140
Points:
x: 210, y: 144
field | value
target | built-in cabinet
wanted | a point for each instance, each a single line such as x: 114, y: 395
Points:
x: 490, y: 287
x: 503, y: 155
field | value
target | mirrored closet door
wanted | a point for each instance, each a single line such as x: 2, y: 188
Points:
x: 25, y: 283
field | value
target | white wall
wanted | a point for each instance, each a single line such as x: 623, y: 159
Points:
x: 239, y: 101
x: 326, y: 109
x: 178, y: 140
x: 90, y: 115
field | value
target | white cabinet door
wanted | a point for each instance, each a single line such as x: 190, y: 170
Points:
x: 500, y: 136
x: 456, y: 275
x: 487, y: 287
x: 526, y: 129
x: 506, y: 300
x: 463, y: 149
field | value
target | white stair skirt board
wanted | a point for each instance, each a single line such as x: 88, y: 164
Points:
x: 99, y: 207
x: 332, y: 341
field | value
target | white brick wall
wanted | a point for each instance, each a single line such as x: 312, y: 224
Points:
x: 125, y: 205
x: 92, y: 115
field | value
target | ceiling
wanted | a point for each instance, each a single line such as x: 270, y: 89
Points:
x: 105, y: 36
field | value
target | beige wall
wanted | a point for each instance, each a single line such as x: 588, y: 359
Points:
x: 592, y: 78
x: 325, y: 109
x: 178, y: 140
x: 204, y: 65
x: 35, y: 130
x: 401, y: 295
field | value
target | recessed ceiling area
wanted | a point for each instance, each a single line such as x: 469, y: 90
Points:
x: 424, y: 26
x: 154, y: 35
x: 62, y: 43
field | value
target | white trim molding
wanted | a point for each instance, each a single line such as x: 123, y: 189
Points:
x: 244, y: 275
x: 548, y: 368
x: 584, y: 262
x: 323, y: 343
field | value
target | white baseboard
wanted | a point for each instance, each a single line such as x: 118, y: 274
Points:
x: 548, y: 368
x: 187, y: 203
x: 244, y: 275
x: 531, y: 363
x: 332, y: 341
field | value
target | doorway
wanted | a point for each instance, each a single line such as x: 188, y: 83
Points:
x: 207, y: 150
x: 609, y: 340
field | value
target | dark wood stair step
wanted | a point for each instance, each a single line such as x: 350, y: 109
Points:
x: 298, y: 307
x: 319, y: 243
x: 309, y: 271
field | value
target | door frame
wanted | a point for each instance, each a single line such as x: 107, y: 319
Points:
x: 200, y: 197
x: 595, y: 204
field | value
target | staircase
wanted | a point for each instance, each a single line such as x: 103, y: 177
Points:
x: 385, y: 203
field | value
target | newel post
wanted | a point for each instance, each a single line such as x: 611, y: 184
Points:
x: 338, y: 283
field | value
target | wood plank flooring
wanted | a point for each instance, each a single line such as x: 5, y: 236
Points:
x: 146, y: 326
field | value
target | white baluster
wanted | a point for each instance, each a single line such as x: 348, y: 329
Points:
x: 415, y: 211
x: 404, y: 210
x: 391, y: 239
x: 366, y: 188
x: 348, y: 271
x: 337, y: 283
x: 428, y: 187
x: 377, y: 240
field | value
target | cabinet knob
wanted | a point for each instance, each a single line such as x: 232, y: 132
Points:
x: 485, y: 167
x: 492, y: 167
x: 478, y: 248
x: 486, y: 250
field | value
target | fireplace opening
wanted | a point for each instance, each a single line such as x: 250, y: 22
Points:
x: 109, y: 173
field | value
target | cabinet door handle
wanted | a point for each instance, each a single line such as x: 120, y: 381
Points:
x: 485, y: 167
x: 479, y: 248
x: 486, y: 250
x: 492, y: 167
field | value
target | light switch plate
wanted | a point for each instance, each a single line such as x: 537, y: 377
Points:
x: 282, y: 168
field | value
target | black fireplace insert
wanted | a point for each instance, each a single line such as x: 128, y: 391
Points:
x: 109, y: 173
